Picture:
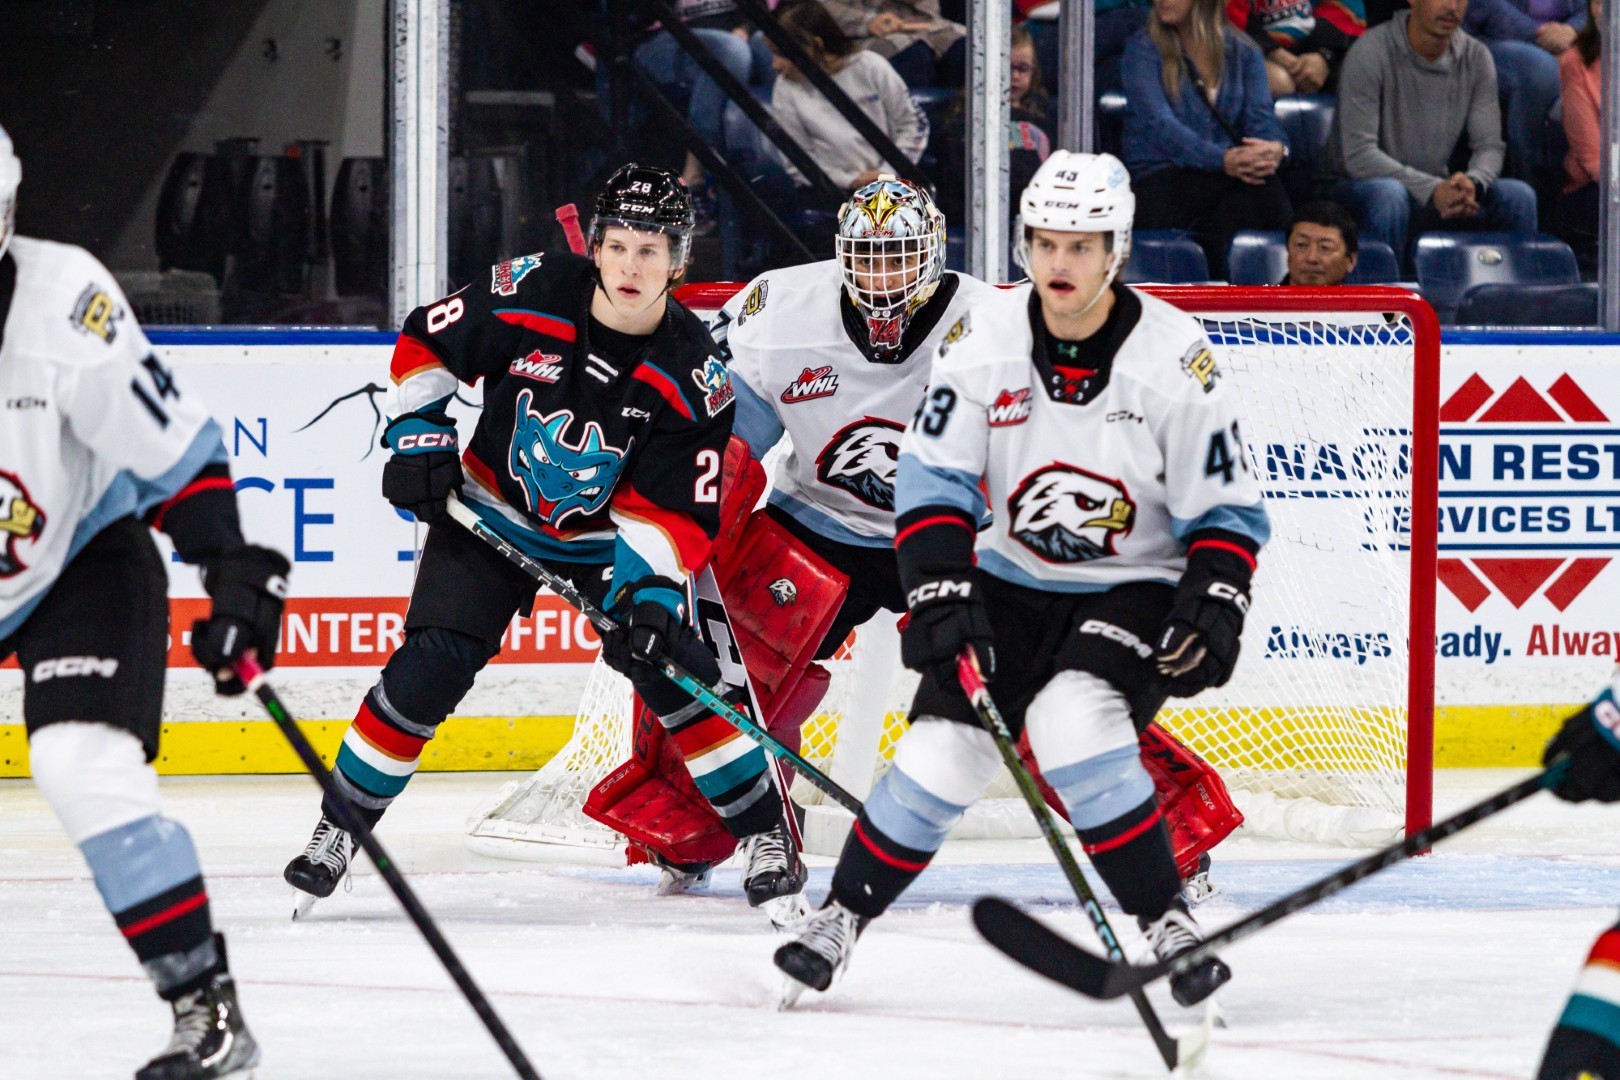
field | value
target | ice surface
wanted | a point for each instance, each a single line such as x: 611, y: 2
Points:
x: 1450, y: 966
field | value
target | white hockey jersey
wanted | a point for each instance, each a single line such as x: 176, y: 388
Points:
x: 796, y: 371
x: 93, y: 427
x: 1084, y: 497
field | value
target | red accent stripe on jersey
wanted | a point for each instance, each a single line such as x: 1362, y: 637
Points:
x: 196, y: 487
x: 1225, y: 545
x: 884, y: 857
x: 537, y: 321
x: 1607, y: 949
x: 481, y: 472
x: 387, y: 740
x: 411, y: 357
x: 169, y: 914
x: 705, y: 735
x: 1125, y: 837
x: 686, y: 538
x: 939, y: 519
x: 666, y: 388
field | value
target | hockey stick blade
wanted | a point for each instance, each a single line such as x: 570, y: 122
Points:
x: 1025, y: 939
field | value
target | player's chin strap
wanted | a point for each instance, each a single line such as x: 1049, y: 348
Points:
x: 1120, y: 254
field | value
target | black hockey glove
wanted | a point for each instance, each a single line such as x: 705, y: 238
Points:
x: 425, y: 467
x: 249, y: 588
x: 1591, y: 740
x: 946, y: 615
x: 1199, y: 642
x: 651, y: 632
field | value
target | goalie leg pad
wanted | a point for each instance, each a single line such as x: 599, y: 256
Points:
x: 1198, y: 809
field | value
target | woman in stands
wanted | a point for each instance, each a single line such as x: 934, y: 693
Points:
x: 1203, y: 145
x: 1580, y: 73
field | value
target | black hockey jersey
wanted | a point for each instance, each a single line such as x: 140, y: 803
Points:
x: 577, y: 456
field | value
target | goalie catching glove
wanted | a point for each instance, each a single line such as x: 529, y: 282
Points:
x: 249, y: 588
x: 426, y: 466
x: 1199, y: 643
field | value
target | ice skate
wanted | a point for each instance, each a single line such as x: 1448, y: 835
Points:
x: 1174, y: 933
x: 677, y: 878
x: 325, y: 862
x: 1198, y: 887
x: 773, y: 875
x: 210, y: 1041
x: 819, y: 955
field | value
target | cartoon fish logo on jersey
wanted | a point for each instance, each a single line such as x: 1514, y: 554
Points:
x: 862, y: 460
x: 559, y: 478
x: 1068, y: 515
x: 21, y: 522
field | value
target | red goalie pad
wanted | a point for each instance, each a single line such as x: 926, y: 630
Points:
x: 1198, y: 810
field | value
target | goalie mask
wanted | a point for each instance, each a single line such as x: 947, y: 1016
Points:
x: 1083, y: 193
x: 646, y: 199
x: 10, y: 177
x: 891, y: 249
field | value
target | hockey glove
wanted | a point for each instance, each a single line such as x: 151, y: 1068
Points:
x: 946, y: 615
x: 651, y: 632
x: 425, y: 467
x: 1591, y: 739
x: 249, y: 588
x: 1199, y: 642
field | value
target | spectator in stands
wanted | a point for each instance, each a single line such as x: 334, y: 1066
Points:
x: 1580, y: 71
x: 1525, y: 38
x: 1304, y: 40
x: 925, y: 49
x: 871, y: 84
x: 1029, y: 135
x: 1410, y: 89
x: 1113, y: 24
x: 1322, y: 245
x: 1203, y: 144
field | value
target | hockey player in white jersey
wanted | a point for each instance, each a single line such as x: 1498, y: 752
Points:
x: 1115, y: 573
x: 100, y: 443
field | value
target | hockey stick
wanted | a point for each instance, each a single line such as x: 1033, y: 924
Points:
x: 1175, y: 1052
x: 676, y: 674
x: 248, y: 670
x: 1043, y: 951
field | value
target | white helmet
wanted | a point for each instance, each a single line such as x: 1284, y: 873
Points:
x: 10, y: 177
x: 891, y: 217
x: 1074, y: 192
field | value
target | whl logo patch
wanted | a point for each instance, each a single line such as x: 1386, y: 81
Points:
x: 539, y: 366
x: 1010, y: 407
x: 1512, y: 466
x: 812, y: 383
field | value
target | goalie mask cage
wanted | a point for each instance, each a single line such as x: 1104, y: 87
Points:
x: 1325, y: 732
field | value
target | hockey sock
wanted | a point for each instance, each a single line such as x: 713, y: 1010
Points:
x: 425, y: 678
x: 1132, y: 853
x: 149, y: 877
x: 728, y: 768
x: 1586, y: 1040
x: 900, y: 828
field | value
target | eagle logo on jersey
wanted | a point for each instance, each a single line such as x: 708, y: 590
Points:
x: 862, y: 459
x: 812, y: 383
x: 1069, y: 515
x: 560, y: 479
x: 504, y: 277
x: 783, y: 591
x: 715, y: 383
x: 754, y: 302
x: 1199, y: 362
x: 21, y: 521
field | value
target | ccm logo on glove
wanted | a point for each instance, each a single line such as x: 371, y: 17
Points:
x: 1221, y: 590
x: 428, y: 440
x: 939, y: 590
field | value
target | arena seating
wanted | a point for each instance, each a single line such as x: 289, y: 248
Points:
x: 1260, y: 257
x: 1529, y: 305
x: 1169, y: 256
x: 1449, y: 264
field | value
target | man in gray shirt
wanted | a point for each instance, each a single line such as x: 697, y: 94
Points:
x: 1410, y: 89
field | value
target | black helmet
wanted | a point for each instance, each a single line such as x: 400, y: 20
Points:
x: 646, y: 198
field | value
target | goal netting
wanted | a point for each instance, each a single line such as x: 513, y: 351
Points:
x: 1324, y: 733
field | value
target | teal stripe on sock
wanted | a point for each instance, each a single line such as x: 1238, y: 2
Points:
x: 367, y: 778
x: 733, y: 774
x: 1592, y: 1015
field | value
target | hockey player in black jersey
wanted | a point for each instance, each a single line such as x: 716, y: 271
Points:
x: 107, y: 447
x: 600, y: 449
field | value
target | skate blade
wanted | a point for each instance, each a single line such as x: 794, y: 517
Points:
x: 681, y: 884
x: 302, y: 903
x: 785, y: 912
x: 1193, y: 1047
x: 792, y: 991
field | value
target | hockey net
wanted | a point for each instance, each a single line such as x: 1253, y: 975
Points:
x: 1324, y: 733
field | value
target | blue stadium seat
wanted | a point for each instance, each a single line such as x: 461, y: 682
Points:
x: 1449, y: 264
x: 1375, y: 265
x: 1110, y: 114
x: 1306, y: 119
x: 1257, y: 257
x: 1529, y: 305
x: 1168, y: 256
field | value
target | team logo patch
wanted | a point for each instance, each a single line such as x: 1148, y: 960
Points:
x: 1010, y: 407
x: 862, y: 459
x: 539, y: 366
x: 1069, y: 515
x: 504, y: 277
x: 1199, y: 362
x: 715, y: 385
x: 21, y: 522
x: 754, y: 302
x: 784, y: 592
x: 560, y: 478
x: 95, y: 313
x: 959, y: 330
x: 812, y: 383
